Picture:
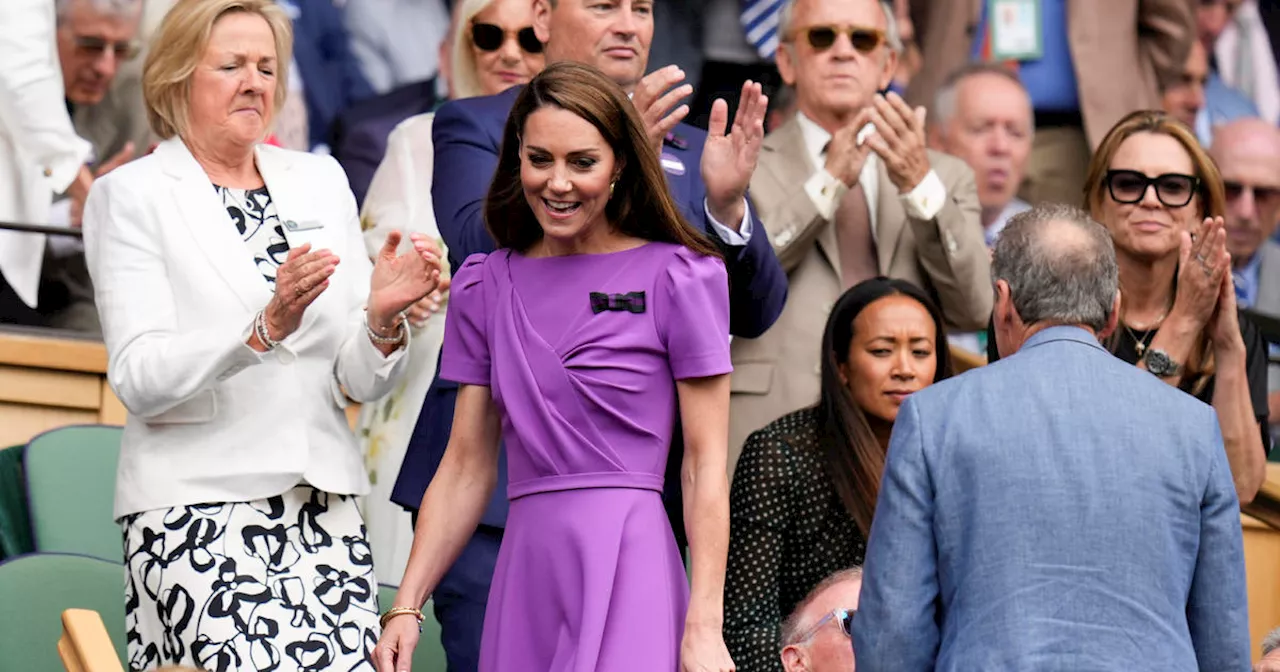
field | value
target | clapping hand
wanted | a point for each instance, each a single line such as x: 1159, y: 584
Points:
x: 654, y: 99
x: 300, y: 280
x: 730, y: 153
x: 399, y: 281
x: 1203, y: 260
x: 900, y: 141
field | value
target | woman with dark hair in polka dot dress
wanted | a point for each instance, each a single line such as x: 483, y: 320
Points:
x: 805, y: 487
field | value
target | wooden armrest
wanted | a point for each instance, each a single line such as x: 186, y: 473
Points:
x: 85, y: 645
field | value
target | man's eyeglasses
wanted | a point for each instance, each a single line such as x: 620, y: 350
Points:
x: 90, y: 45
x: 488, y: 37
x: 1172, y: 189
x: 1264, y: 196
x: 865, y: 40
x: 842, y: 616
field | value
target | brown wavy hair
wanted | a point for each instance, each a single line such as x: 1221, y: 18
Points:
x: 641, y: 206
x: 1211, y: 201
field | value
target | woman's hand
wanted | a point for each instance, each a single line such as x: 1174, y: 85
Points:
x: 1202, y: 263
x: 400, y: 281
x: 703, y: 650
x: 394, y: 652
x: 421, y: 312
x: 299, y: 281
x: 1225, y: 334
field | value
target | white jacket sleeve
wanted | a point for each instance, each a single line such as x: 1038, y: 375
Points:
x: 152, y: 366
x: 361, y: 373
x: 32, y: 99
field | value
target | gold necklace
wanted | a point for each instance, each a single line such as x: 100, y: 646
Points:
x: 1142, y: 343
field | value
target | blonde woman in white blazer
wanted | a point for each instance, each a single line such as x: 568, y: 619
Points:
x: 240, y: 313
x: 399, y: 198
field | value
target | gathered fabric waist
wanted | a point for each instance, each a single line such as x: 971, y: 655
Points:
x: 602, y: 479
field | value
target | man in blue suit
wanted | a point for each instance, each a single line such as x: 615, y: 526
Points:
x: 331, y: 77
x: 1058, y: 509
x: 708, y: 177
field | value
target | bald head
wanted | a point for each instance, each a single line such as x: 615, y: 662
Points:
x: 1247, y: 152
x: 1053, y: 265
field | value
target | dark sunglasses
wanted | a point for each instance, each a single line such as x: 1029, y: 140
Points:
x: 96, y: 47
x: 865, y: 40
x: 1264, y: 196
x: 488, y: 37
x: 1129, y: 186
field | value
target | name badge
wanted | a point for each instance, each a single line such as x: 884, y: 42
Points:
x: 672, y: 164
x: 1015, y: 30
x: 296, y: 227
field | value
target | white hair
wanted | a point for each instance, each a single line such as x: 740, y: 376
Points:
x: 891, y: 32
x: 1271, y: 642
x: 124, y: 9
x: 945, y: 100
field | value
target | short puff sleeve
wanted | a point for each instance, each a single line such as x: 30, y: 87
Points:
x: 692, y: 314
x: 465, y: 354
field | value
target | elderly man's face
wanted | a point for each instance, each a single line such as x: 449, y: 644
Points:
x: 841, y: 78
x: 991, y: 131
x: 612, y: 35
x: 1184, y: 97
x: 1248, y: 154
x: 828, y: 648
x: 91, y: 47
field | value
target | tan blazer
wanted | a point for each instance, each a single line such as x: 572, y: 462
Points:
x: 779, y: 372
x: 1123, y: 50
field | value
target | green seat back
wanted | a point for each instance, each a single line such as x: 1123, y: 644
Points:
x: 429, y: 656
x: 71, y: 480
x: 15, y: 523
x: 34, y: 591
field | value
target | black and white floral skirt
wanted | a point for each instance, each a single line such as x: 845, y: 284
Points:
x: 284, y: 583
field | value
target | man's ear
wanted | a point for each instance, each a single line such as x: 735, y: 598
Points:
x: 1113, y: 320
x: 785, y: 59
x: 795, y: 658
x: 542, y: 20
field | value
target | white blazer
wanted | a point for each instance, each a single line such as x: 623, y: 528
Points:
x: 210, y: 419
x: 40, y: 153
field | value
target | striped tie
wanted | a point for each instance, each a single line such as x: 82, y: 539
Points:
x: 760, y: 21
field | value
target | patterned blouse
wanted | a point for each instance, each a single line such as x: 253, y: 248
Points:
x: 788, y: 531
x: 254, y: 215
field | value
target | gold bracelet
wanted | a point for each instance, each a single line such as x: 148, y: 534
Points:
x: 400, y: 611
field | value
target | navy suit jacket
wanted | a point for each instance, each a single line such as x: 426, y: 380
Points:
x: 1059, y: 509
x: 467, y: 136
x: 359, y: 139
x: 331, y: 76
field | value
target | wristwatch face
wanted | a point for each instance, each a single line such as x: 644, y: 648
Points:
x: 1160, y: 364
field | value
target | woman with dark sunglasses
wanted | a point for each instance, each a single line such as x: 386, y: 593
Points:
x: 804, y: 490
x: 489, y: 49
x: 1162, y: 199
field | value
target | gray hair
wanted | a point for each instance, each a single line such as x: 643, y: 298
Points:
x: 791, y: 628
x: 1064, y: 279
x: 123, y: 9
x: 1271, y: 642
x: 944, y: 102
x: 891, y: 23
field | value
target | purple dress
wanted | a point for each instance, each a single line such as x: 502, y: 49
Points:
x: 582, y: 368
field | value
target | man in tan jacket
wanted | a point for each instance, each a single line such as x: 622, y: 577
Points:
x: 847, y: 191
x: 1086, y: 64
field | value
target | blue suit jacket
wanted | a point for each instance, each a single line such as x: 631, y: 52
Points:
x: 1056, y: 510
x: 467, y: 137
x: 331, y: 76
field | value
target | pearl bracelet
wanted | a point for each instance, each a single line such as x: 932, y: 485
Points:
x: 401, y: 331
x: 260, y: 327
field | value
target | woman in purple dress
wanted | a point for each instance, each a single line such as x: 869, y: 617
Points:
x: 601, y: 316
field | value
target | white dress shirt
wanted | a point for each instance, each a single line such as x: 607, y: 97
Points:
x: 826, y: 190
x: 1260, y: 82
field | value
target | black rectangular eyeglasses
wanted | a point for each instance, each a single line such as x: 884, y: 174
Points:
x: 1174, y: 190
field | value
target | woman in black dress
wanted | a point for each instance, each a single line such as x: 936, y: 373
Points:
x: 805, y: 487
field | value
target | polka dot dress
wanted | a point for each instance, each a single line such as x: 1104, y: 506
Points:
x: 788, y: 531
